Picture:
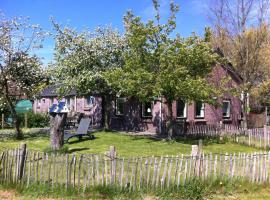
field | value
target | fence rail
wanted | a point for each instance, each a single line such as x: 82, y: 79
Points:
x: 134, y: 173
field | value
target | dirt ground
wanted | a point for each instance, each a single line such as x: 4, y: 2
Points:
x: 11, y: 195
x: 4, y: 194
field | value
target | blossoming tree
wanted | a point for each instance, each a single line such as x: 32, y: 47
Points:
x: 20, y: 68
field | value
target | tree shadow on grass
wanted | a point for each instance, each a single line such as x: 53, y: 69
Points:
x: 75, y: 141
x: 77, y: 149
x: 191, y: 140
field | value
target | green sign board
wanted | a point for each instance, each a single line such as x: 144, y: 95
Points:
x: 24, y: 106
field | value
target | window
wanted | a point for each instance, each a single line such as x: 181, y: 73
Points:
x: 51, y: 101
x: 119, y: 106
x: 90, y: 101
x: 226, y: 108
x: 181, y: 107
x: 38, y: 102
x: 147, y: 109
x: 68, y: 102
x: 199, y: 109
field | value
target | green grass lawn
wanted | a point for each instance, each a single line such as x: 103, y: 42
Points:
x: 126, y: 145
x: 235, y: 190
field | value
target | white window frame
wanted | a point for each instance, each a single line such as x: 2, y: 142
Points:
x: 202, y: 111
x: 116, y: 107
x: 39, y: 102
x: 184, y: 112
x: 228, y: 112
x: 143, y: 109
x: 51, y: 101
x: 68, y: 101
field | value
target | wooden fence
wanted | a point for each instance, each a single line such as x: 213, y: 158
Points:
x: 83, y: 171
x: 258, y: 137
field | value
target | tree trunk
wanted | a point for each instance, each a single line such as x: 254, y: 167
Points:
x: 105, y: 111
x: 169, y: 123
x: 245, y: 113
x: 57, y: 122
x: 16, y: 122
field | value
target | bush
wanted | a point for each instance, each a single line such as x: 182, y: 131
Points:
x: 35, y: 120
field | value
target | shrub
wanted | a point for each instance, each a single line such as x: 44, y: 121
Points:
x: 35, y: 120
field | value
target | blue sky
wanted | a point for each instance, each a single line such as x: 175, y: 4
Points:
x: 192, y: 16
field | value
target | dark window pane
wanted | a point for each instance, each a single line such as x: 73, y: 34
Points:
x: 199, y: 109
x: 147, y: 109
x: 226, y: 109
x: 120, y: 106
x: 181, y: 108
x: 90, y: 100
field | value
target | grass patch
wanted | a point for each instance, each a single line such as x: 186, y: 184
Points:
x: 194, y: 189
x: 126, y: 145
x: 63, y: 150
x: 238, y: 189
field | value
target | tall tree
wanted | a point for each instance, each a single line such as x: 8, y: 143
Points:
x: 83, y: 57
x: 242, y: 33
x: 20, y: 69
x: 159, y: 65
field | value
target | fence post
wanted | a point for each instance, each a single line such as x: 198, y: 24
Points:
x: 3, y: 120
x: 112, y: 157
x: 265, y: 135
x: 220, y: 129
x: 195, y: 153
x: 22, y: 156
x: 200, y: 156
x: 200, y: 145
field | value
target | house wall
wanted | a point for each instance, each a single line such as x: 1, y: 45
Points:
x: 132, y: 119
x: 220, y: 77
x: 256, y: 120
x: 94, y: 112
x: 77, y: 105
x: 43, y: 105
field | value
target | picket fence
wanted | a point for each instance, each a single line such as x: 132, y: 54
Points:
x: 83, y: 171
x: 258, y: 137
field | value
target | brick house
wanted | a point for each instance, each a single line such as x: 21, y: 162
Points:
x: 89, y: 105
x: 131, y: 115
